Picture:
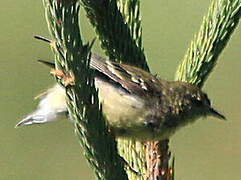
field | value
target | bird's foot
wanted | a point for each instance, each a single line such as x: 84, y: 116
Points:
x: 68, y: 80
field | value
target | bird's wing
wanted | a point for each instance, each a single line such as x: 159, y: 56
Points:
x: 132, y: 79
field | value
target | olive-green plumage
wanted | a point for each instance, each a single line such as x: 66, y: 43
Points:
x: 136, y: 104
x: 140, y: 105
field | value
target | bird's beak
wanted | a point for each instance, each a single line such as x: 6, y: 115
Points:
x: 214, y: 113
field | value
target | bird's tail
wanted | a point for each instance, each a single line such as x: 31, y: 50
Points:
x: 51, y: 106
x: 33, y: 118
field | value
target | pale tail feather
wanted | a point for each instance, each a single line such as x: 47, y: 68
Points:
x: 32, y: 119
x: 51, y: 106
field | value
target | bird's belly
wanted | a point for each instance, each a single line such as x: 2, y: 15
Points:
x: 120, y: 108
x: 126, y: 114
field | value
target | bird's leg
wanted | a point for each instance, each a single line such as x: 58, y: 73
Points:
x: 68, y: 80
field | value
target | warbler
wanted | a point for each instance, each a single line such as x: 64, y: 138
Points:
x: 136, y: 104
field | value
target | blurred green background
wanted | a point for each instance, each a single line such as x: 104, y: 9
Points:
x: 208, y: 149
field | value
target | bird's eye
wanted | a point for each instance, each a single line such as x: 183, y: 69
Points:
x: 198, y: 102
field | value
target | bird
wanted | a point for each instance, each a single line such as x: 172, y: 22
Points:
x: 135, y: 103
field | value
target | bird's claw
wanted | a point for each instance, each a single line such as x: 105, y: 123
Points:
x: 68, y: 80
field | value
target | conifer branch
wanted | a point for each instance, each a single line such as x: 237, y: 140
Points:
x: 216, y: 29
x: 120, y: 40
x: 118, y: 26
x: 72, y: 58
